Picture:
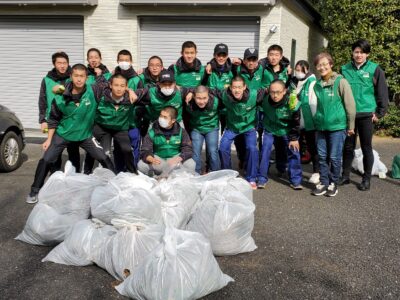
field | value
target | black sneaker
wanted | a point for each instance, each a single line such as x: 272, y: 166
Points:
x: 319, y: 190
x: 344, y: 180
x: 332, y: 190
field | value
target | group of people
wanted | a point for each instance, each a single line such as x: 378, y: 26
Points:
x: 159, y: 118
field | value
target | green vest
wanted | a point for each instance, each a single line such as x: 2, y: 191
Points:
x: 91, y: 79
x: 270, y: 76
x: 219, y: 81
x: 50, y: 84
x: 109, y: 117
x: 204, y: 120
x: 134, y: 82
x: 166, y: 148
x: 77, y: 122
x: 277, y: 119
x: 189, y: 79
x: 157, y: 104
x: 362, y: 84
x: 330, y: 114
x: 255, y: 82
x: 304, y: 99
x: 240, y: 115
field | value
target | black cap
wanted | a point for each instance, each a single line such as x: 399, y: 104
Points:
x: 250, y: 52
x: 167, y: 76
x: 220, y: 48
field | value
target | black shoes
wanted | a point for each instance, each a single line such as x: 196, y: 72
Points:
x: 344, y: 180
x: 364, y: 185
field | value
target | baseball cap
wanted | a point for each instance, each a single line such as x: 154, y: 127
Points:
x: 250, y: 52
x: 220, y: 48
x: 167, y: 76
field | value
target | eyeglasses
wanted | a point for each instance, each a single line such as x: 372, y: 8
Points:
x: 319, y: 66
x: 275, y: 92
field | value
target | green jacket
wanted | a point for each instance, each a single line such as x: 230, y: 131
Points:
x: 362, y: 84
x: 240, y: 115
x: 206, y: 119
x: 112, y: 115
x: 166, y: 148
x: 279, y: 119
x: 188, y: 77
x: 159, y: 101
x: 74, y: 122
x: 253, y: 81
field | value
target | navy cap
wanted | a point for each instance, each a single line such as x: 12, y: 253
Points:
x: 250, y: 52
x: 167, y: 76
x: 220, y: 48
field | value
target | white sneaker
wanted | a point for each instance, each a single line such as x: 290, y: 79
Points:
x: 32, y: 199
x: 314, y: 178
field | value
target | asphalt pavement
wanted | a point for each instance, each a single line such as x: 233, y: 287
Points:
x: 346, y: 247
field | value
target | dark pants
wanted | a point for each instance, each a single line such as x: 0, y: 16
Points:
x: 105, y: 137
x: 364, y: 129
x: 57, y: 146
x: 73, y: 156
x: 311, y: 147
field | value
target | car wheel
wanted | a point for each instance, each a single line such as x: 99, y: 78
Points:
x: 10, y: 152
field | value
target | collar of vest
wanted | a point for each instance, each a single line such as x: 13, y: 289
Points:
x: 215, y: 67
x: 158, y: 130
x: 183, y: 67
x: 355, y: 65
x: 331, y: 80
x: 52, y: 74
x: 246, y: 95
x: 284, y: 63
x: 130, y: 73
x: 102, y: 67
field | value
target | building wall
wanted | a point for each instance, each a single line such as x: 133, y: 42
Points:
x: 111, y: 27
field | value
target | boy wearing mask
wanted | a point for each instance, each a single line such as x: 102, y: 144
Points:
x: 166, y: 145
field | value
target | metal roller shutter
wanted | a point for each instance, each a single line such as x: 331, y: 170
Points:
x: 163, y: 36
x: 27, y: 44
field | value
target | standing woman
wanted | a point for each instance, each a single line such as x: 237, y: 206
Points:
x: 333, y: 120
x: 367, y: 80
x: 95, y: 67
x: 305, y: 93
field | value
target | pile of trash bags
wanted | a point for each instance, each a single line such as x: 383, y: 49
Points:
x: 157, y: 237
x: 378, y: 167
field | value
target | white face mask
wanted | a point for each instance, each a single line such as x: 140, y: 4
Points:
x: 299, y: 75
x: 167, y: 91
x: 124, y: 65
x: 163, y: 122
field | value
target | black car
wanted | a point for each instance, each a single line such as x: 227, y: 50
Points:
x: 12, y: 140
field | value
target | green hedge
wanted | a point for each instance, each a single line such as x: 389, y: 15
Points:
x: 389, y: 125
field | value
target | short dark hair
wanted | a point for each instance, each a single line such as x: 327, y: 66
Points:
x: 275, y: 47
x: 155, y: 57
x: 238, y: 78
x: 93, y: 50
x: 201, y: 89
x: 80, y: 67
x: 60, y: 54
x: 321, y: 56
x: 363, y: 44
x: 303, y: 64
x: 118, y: 75
x: 172, y: 111
x: 281, y: 82
x: 124, y: 52
x: 188, y: 44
